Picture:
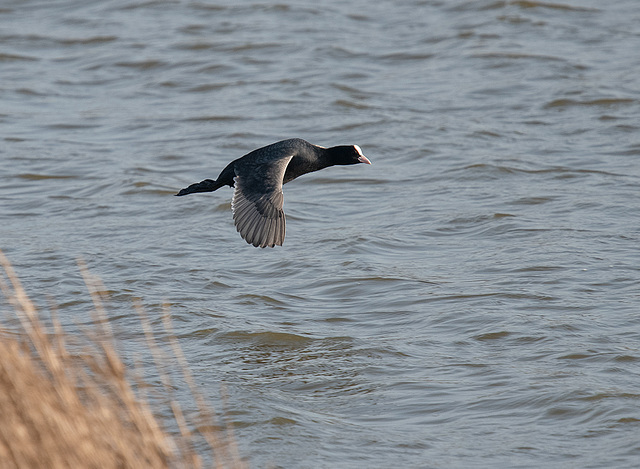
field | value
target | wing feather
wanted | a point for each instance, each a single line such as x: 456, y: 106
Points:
x: 257, y: 201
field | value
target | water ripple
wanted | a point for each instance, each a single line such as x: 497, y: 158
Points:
x: 469, y: 299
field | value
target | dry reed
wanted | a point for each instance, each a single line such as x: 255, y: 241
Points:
x: 60, y: 409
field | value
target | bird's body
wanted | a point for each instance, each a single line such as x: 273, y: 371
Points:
x: 258, y: 177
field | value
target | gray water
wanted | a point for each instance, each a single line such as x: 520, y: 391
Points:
x: 469, y: 300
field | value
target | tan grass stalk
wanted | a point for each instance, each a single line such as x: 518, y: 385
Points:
x: 79, y: 410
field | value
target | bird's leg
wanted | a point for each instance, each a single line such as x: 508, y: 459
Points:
x: 208, y: 185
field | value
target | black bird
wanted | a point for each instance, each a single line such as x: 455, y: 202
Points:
x: 258, y: 178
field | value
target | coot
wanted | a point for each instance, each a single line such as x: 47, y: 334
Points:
x: 258, y: 178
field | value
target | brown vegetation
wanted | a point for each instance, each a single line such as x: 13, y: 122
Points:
x: 60, y: 409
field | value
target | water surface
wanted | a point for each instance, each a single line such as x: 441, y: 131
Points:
x: 469, y: 300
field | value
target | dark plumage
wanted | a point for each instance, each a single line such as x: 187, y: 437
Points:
x: 258, y: 178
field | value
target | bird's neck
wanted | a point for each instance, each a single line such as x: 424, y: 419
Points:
x: 300, y: 165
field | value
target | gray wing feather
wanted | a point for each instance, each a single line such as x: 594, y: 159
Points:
x: 257, y: 201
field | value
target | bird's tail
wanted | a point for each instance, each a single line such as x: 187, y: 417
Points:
x: 208, y: 185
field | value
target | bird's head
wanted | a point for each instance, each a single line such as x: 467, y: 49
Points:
x: 348, y: 154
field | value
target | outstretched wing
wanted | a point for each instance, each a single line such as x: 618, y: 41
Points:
x: 257, y: 200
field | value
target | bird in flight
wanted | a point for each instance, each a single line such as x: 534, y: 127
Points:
x: 257, y: 179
